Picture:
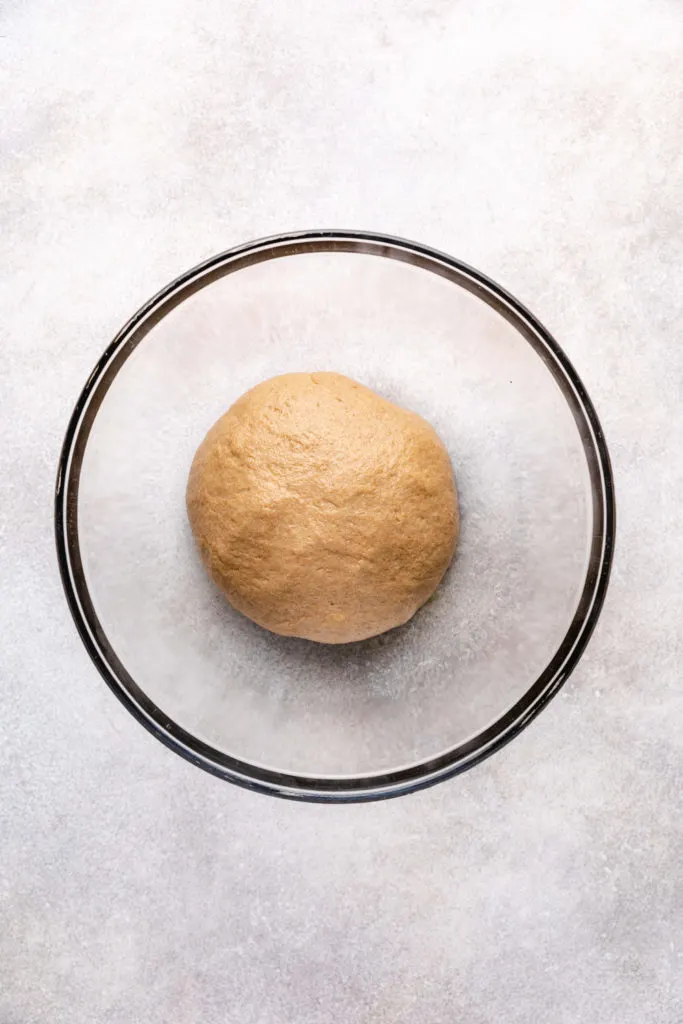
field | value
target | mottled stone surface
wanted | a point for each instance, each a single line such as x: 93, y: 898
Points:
x: 541, y: 145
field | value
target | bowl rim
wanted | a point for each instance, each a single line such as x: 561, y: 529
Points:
x: 355, y: 788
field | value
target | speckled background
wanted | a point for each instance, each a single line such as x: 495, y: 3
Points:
x: 544, y: 147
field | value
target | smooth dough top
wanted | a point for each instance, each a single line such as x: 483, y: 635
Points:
x: 321, y: 509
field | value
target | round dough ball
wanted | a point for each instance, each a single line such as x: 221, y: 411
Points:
x: 322, y: 510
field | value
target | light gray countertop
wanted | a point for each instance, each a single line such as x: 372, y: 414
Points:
x: 541, y: 145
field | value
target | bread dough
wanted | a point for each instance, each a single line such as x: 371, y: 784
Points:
x: 321, y: 509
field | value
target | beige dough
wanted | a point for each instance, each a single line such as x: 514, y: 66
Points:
x: 322, y: 510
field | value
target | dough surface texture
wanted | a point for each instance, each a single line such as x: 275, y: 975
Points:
x: 322, y: 510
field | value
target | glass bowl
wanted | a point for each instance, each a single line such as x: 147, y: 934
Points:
x: 513, y: 615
